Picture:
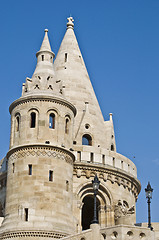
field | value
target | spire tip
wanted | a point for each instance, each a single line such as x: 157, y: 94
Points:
x: 46, y: 30
x: 70, y: 23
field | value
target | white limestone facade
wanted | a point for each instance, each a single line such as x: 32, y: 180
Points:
x: 59, y: 141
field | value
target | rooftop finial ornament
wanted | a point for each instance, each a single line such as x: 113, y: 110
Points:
x: 70, y: 23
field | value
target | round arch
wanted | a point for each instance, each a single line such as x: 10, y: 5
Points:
x: 104, y: 199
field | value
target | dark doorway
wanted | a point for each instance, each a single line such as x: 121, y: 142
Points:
x: 88, y: 211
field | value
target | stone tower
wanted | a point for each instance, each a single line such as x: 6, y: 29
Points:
x: 94, y: 146
x: 40, y: 164
x: 59, y: 142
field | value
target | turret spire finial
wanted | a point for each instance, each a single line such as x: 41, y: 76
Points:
x: 70, y: 23
x: 45, y: 44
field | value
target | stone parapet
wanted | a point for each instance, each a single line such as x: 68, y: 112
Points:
x: 103, y: 157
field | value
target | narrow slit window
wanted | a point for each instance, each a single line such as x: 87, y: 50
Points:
x: 67, y: 126
x: 13, y: 167
x: 50, y: 175
x: 67, y: 185
x: 30, y: 169
x: 122, y: 164
x: 17, y: 123
x: 26, y: 214
x: 65, y: 57
x: 33, y: 120
x: 52, y: 121
x: 113, y: 162
x: 112, y: 147
x: 91, y: 157
x: 103, y: 159
x: 42, y: 57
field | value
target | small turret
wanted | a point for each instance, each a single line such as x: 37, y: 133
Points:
x: 43, y: 80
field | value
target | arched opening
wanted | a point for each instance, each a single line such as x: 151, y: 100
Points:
x: 17, y: 123
x: 52, y: 121
x: 67, y: 125
x: 33, y: 120
x: 88, y: 211
x: 87, y: 140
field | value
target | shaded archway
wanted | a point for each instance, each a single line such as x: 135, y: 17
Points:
x: 88, y: 211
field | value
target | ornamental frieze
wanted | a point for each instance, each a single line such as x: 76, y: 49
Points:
x: 37, y: 152
x: 11, y: 235
x: 108, y: 175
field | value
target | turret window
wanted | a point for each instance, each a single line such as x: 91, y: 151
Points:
x: 33, y: 120
x: 112, y: 147
x: 42, y: 57
x: 87, y: 140
x: 17, y: 123
x: 50, y: 175
x: 103, y: 159
x: 91, y: 157
x: 52, y: 121
x: 113, y: 162
x: 26, y: 214
x: 67, y: 185
x: 13, y: 167
x: 67, y: 123
x: 30, y: 169
x: 65, y: 57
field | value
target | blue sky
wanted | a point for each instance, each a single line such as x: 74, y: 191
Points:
x: 119, y: 40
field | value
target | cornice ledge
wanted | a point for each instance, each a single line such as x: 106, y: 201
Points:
x: 30, y: 98
x: 38, y: 146
x: 110, y: 170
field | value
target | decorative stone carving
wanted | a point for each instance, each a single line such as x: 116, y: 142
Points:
x: 23, y: 234
x: 107, y: 174
x: 122, y: 209
x: 40, y: 151
x: 70, y: 22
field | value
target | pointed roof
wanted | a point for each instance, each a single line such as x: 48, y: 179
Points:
x: 43, y: 80
x: 70, y: 68
x: 45, y: 46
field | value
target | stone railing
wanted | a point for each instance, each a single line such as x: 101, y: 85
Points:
x: 123, y: 232
x: 91, y: 155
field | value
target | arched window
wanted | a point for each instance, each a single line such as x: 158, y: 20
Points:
x: 87, y: 140
x: 33, y: 120
x: 67, y: 125
x: 17, y: 123
x: 52, y: 121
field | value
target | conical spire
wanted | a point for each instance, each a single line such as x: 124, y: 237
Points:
x: 43, y: 80
x: 69, y: 66
x: 45, y: 46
